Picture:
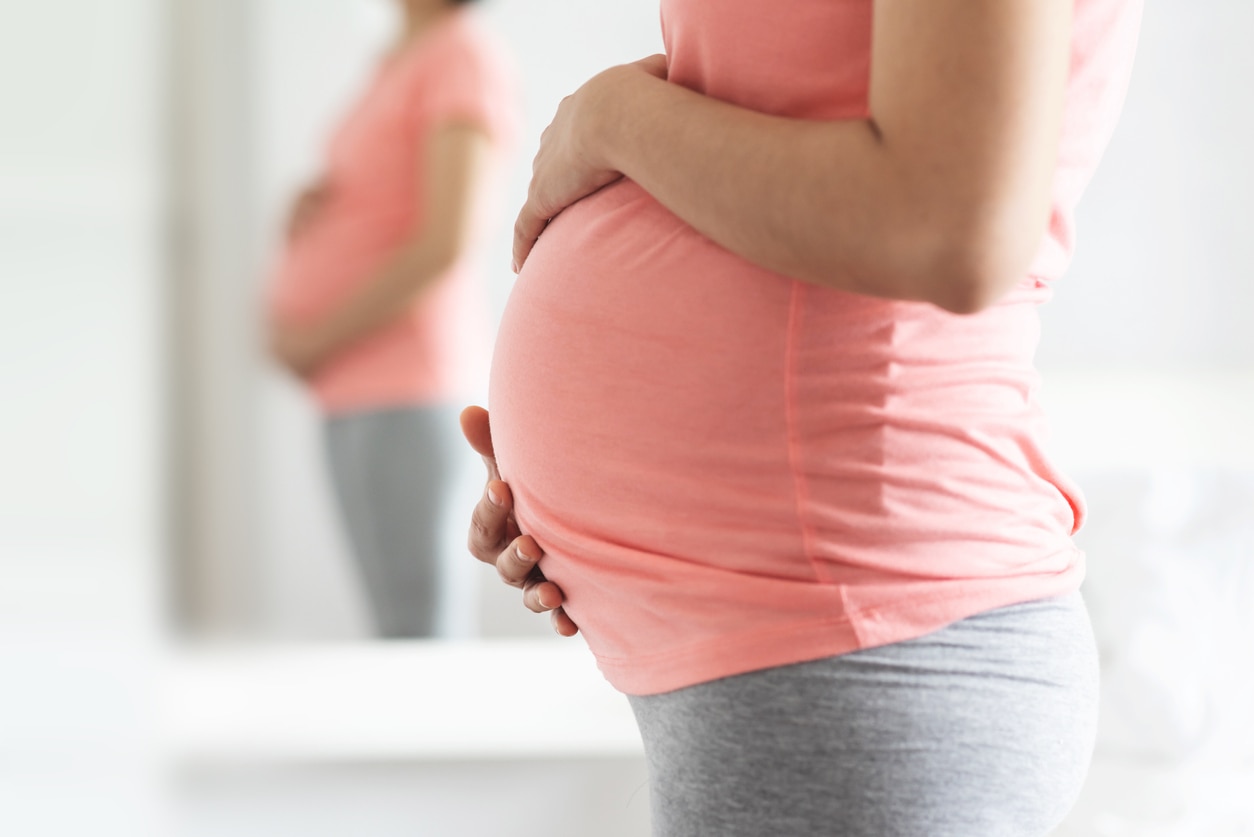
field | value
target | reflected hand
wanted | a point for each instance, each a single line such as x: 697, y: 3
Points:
x: 568, y: 165
x: 495, y: 538
x: 307, y: 205
x: 299, y: 348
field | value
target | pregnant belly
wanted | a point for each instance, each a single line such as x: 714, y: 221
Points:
x: 696, y: 442
x: 638, y: 394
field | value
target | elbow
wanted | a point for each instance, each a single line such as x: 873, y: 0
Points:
x: 444, y: 259
x: 965, y: 293
x: 443, y: 252
x: 431, y: 258
x: 975, y: 267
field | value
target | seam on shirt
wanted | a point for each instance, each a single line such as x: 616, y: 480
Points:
x: 801, y: 494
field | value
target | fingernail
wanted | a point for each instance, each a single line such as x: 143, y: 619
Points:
x: 530, y: 559
x: 540, y: 598
x: 494, y: 498
x: 514, y: 265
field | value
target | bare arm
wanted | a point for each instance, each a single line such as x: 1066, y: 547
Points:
x: 941, y: 195
x: 453, y: 168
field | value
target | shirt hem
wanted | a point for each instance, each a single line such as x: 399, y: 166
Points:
x: 881, y: 624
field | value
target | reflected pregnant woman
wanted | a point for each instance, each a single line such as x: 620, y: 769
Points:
x: 765, y: 423
x: 376, y: 303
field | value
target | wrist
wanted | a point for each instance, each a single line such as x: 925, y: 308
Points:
x: 613, y: 100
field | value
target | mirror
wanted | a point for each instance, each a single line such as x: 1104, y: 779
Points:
x: 265, y: 549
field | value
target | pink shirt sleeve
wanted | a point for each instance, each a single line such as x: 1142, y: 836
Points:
x: 466, y: 79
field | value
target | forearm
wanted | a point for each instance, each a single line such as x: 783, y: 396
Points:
x: 824, y: 202
x: 385, y: 296
x: 450, y: 175
x: 942, y: 193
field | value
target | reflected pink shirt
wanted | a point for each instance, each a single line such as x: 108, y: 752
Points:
x: 730, y: 470
x: 435, y: 351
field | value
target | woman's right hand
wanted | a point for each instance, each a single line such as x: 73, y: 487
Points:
x: 307, y: 205
x: 569, y: 165
x: 495, y: 538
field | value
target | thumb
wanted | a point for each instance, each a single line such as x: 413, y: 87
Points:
x: 478, y: 431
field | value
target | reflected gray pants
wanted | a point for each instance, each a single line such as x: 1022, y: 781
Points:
x: 392, y: 469
x: 982, y: 729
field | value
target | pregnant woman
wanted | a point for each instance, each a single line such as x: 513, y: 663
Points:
x: 375, y: 303
x: 765, y: 423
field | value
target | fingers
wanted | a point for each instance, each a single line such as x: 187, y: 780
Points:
x: 527, y: 229
x: 541, y: 595
x: 478, y: 430
x: 516, y: 564
x: 563, y: 624
x: 306, y: 206
x: 494, y: 535
x: 491, y: 523
x: 518, y: 567
x: 654, y: 65
x: 298, y: 219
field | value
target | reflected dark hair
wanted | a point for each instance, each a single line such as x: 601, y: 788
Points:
x: 461, y: 2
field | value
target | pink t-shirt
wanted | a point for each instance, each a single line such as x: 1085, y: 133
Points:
x: 731, y: 470
x: 436, y: 350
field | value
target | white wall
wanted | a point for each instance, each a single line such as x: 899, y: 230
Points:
x: 1164, y: 270
x: 80, y: 429
x: 1148, y: 362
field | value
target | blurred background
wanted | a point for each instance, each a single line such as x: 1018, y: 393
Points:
x: 180, y: 631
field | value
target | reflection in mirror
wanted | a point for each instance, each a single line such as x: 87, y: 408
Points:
x: 276, y: 168
x: 348, y: 146
x: 375, y: 306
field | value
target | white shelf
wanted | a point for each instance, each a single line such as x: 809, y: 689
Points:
x: 394, y: 701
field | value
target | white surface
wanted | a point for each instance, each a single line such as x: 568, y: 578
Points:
x: 1171, y: 588
x: 1164, y: 256
x: 393, y: 702
x: 551, y: 798
x: 1110, y: 418
x: 1125, y: 799
x: 80, y: 426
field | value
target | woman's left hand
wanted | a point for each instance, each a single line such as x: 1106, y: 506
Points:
x: 569, y: 165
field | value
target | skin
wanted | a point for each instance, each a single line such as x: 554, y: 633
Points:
x: 456, y: 162
x: 495, y: 538
x: 941, y: 195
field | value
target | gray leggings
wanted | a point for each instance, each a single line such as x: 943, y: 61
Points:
x: 982, y: 729
x: 392, y: 470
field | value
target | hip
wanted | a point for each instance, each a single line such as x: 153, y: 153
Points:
x: 984, y: 727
